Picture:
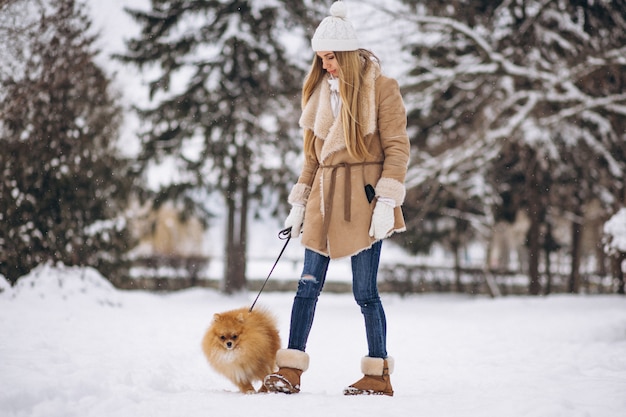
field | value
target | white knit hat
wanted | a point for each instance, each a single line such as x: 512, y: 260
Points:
x: 335, y: 32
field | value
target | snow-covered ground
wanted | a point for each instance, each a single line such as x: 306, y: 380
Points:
x: 72, y: 345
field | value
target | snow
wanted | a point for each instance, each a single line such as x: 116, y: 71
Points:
x: 73, y: 345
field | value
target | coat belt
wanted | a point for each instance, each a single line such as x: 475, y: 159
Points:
x: 347, y: 200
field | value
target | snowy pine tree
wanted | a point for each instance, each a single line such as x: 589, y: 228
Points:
x: 537, y: 84
x: 225, y: 107
x: 62, y: 185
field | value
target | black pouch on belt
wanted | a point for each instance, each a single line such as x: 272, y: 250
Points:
x: 370, y: 193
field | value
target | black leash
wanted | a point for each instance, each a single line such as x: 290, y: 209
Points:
x: 284, y: 234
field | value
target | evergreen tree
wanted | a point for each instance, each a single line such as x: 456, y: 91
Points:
x: 226, y: 87
x: 62, y: 186
x: 547, y: 76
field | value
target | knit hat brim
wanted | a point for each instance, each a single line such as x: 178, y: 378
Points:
x: 334, y: 44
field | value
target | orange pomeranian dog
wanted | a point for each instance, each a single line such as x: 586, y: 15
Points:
x: 242, y: 345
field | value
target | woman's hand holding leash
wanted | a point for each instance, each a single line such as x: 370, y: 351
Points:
x: 295, y: 219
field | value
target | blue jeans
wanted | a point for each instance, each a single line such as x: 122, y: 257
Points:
x: 364, y: 288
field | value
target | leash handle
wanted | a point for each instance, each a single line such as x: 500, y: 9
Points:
x: 285, y: 235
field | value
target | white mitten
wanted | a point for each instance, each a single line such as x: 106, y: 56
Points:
x: 382, y: 220
x: 295, y: 219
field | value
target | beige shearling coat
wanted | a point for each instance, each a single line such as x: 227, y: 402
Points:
x: 332, y: 183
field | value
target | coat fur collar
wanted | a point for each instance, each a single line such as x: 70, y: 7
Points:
x: 317, y: 115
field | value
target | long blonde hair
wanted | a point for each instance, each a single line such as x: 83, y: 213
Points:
x: 352, y: 66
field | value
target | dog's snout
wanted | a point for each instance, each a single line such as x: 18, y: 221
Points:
x: 229, y: 344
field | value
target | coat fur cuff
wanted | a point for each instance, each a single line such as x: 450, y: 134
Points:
x: 390, y: 188
x: 374, y: 366
x: 292, y: 358
x: 299, y: 194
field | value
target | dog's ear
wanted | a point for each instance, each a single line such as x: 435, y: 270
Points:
x: 216, y: 317
x: 240, y: 317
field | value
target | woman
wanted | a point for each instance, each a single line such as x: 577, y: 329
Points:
x: 348, y: 196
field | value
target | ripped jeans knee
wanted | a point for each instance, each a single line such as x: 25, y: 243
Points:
x: 308, y: 277
x: 308, y: 287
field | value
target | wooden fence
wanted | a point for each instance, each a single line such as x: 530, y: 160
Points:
x: 170, y: 274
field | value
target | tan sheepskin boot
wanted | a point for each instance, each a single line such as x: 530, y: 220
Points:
x: 376, y: 379
x: 291, y: 363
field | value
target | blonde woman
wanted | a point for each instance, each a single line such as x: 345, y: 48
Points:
x: 348, y: 196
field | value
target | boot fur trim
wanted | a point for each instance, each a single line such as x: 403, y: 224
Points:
x: 374, y: 366
x: 292, y: 358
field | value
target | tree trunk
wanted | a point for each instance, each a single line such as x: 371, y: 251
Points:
x: 227, y: 279
x: 619, y: 259
x: 235, y: 257
x: 547, y: 250
x: 241, y: 249
x: 533, y: 181
x: 573, y: 285
x: 618, y: 272
x: 534, y: 286
x: 549, y: 246
x: 457, y: 266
